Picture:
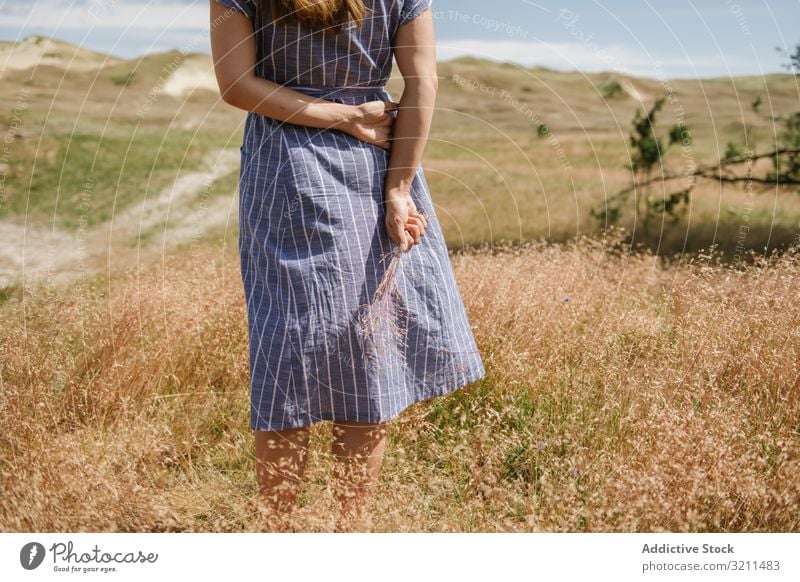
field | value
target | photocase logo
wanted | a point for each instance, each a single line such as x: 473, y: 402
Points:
x: 31, y: 555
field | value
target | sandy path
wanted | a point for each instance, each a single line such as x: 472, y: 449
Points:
x: 34, y: 253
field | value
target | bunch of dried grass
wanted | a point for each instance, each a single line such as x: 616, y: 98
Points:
x: 381, y: 320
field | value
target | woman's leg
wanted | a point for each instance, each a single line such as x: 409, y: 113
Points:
x: 358, y: 456
x: 280, y: 463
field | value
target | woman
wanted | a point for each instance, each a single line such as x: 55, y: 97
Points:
x: 330, y: 183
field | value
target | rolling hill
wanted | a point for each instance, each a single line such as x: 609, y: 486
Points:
x: 91, y: 136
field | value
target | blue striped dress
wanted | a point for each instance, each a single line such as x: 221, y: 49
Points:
x: 324, y: 344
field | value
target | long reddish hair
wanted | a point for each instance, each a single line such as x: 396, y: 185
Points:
x: 319, y: 14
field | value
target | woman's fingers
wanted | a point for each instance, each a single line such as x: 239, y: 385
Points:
x: 396, y: 232
x: 417, y: 214
x: 415, y: 230
x: 412, y: 211
x: 416, y: 221
x: 381, y: 136
x: 413, y: 227
x: 379, y: 109
x: 384, y: 120
x: 410, y: 244
x: 396, y: 217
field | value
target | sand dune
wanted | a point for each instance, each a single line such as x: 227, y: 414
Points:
x: 38, y: 50
x: 195, y: 73
x: 42, y: 252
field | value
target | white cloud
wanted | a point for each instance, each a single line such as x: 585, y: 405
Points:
x: 104, y: 13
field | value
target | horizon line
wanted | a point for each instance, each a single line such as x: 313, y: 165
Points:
x: 495, y: 61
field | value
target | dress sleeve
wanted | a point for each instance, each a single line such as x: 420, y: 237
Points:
x: 412, y: 9
x: 245, y: 6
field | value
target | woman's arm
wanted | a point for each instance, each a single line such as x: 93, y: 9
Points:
x: 233, y: 50
x: 416, y: 58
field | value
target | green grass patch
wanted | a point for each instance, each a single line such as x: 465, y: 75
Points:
x: 82, y: 179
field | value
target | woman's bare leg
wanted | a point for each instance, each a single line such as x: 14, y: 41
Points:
x: 280, y: 463
x: 358, y: 457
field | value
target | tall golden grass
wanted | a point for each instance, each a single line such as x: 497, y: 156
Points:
x: 620, y: 395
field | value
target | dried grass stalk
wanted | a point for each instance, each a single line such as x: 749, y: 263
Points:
x: 381, y: 321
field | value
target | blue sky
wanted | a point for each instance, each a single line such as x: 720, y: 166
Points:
x: 649, y: 38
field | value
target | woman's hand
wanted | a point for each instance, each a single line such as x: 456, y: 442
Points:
x: 404, y: 223
x: 372, y: 122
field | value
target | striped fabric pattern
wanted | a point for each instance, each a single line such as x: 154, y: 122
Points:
x: 314, y: 246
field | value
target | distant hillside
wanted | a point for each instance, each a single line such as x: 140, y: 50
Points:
x: 36, y: 50
x: 175, y: 87
x: 515, y: 152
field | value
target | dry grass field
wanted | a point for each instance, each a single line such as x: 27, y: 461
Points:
x: 620, y: 396
x: 628, y: 388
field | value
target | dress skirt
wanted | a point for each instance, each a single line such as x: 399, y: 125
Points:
x: 314, y: 250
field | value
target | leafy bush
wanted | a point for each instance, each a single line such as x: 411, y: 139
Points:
x: 123, y: 80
